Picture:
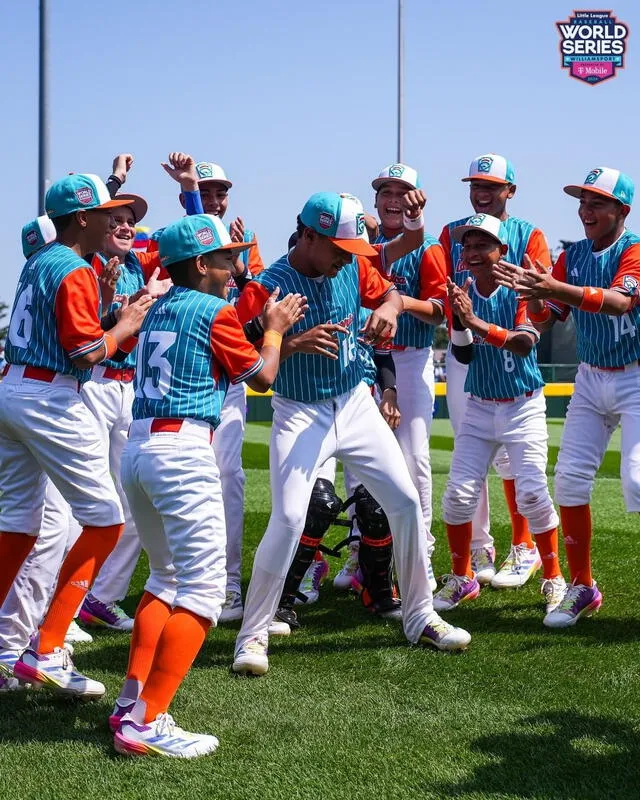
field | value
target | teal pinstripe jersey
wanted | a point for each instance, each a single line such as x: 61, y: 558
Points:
x: 191, y: 347
x: 33, y: 337
x: 495, y: 373
x: 307, y: 377
x: 417, y: 275
x: 603, y: 340
x: 131, y: 280
x: 515, y: 232
x: 365, y: 352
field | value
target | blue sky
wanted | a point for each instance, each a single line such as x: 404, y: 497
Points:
x: 298, y: 96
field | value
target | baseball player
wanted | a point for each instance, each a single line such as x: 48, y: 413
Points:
x: 322, y: 408
x: 491, y: 181
x: 214, y: 190
x: 420, y: 278
x: 506, y: 407
x: 596, y: 279
x: 54, y: 339
x: 192, y: 347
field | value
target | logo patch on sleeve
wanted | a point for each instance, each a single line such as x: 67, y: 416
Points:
x: 630, y: 284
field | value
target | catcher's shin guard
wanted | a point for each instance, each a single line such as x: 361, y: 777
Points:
x: 324, y: 507
x: 376, y: 589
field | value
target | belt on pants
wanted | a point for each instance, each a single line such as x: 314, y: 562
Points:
x: 125, y: 375
x: 632, y: 365
x: 39, y: 374
x: 172, y: 425
x: 502, y: 399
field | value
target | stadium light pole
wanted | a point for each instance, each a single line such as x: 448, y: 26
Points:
x: 400, y: 80
x: 43, y: 107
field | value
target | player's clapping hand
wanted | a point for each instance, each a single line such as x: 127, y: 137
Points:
x: 389, y: 408
x: 122, y: 163
x: 108, y: 280
x: 182, y: 168
x: 381, y: 325
x: 132, y: 313
x: 461, y: 302
x: 236, y: 230
x: 155, y: 287
x: 280, y: 316
x: 531, y: 282
x: 321, y: 340
x: 413, y: 202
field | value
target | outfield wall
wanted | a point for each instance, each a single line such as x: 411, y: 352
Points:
x: 557, y: 394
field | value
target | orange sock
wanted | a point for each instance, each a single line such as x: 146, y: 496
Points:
x: 77, y: 573
x: 519, y: 527
x: 178, y: 645
x: 151, y: 617
x: 547, y: 543
x: 460, y: 546
x: 14, y: 549
x: 576, y: 529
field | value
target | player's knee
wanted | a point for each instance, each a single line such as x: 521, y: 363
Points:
x: 460, y: 501
x: 536, y: 506
x: 572, y: 488
x: 631, y: 489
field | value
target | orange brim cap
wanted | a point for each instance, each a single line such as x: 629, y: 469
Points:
x: 238, y: 247
x: 356, y: 246
x: 488, y: 178
x: 573, y: 190
x: 115, y: 203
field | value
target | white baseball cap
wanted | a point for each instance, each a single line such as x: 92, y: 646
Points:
x: 479, y: 222
x: 605, y: 181
x: 491, y: 167
x: 399, y: 173
x: 208, y: 171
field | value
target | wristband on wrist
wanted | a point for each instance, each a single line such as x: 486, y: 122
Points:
x: 592, y: 299
x: 414, y: 224
x: 193, y: 203
x: 540, y: 316
x: 461, y: 338
x: 272, y: 338
x: 115, y: 178
x: 110, y: 346
x: 496, y: 336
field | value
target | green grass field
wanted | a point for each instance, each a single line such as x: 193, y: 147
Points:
x: 350, y: 710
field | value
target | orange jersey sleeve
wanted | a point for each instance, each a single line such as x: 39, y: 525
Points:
x: 149, y: 262
x: 522, y: 321
x: 255, y: 262
x: 251, y: 301
x: 559, y: 272
x: 445, y: 241
x: 231, y: 349
x: 373, y: 287
x: 433, y: 275
x: 627, y: 278
x: 76, y: 309
x: 537, y: 248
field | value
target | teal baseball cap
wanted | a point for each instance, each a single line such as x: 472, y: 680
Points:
x: 193, y: 236
x: 339, y: 217
x: 81, y: 192
x: 607, y: 182
x: 36, y: 234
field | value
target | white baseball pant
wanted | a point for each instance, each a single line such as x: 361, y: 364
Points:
x: 174, y: 491
x: 227, y: 444
x: 601, y: 401
x: 303, y: 437
x: 110, y: 402
x: 521, y: 427
x: 456, y: 403
x: 46, y: 429
x: 416, y: 395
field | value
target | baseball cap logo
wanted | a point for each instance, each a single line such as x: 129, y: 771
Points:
x: 204, y: 171
x: 326, y: 220
x: 477, y: 220
x: 593, y: 176
x: 32, y: 237
x: 85, y: 195
x: 396, y: 171
x: 359, y: 224
x: 484, y: 164
x: 205, y: 236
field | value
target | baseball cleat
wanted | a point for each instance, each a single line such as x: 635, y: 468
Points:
x: 105, y: 615
x: 122, y: 707
x: 161, y: 738
x: 483, y: 564
x: 553, y: 590
x: 8, y: 683
x: 349, y: 569
x: 55, y: 671
x: 521, y: 564
x: 313, y: 579
x: 457, y: 589
x: 232, y: 609
x: 75, y: 635
x: 579, y: 601
x: 442, y: 636
x: 251, y: 658
x: 287, y: 615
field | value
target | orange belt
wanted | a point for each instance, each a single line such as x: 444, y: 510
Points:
x: 619, y: 369
x: 169, y: 425
x: 125, y: 375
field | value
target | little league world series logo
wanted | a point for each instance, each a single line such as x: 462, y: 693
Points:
x: 592, y: 45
